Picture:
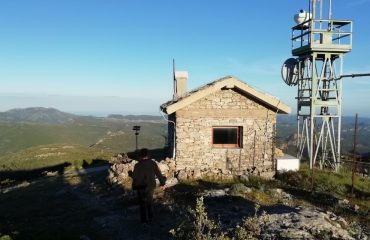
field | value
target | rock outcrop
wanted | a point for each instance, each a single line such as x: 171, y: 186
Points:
x: 309, y: 223
x: 121, y: 164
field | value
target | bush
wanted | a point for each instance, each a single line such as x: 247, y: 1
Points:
x: 5, y: 237
x: 198, y: 226
x: 238, y: 188
x: 300, y: 179
x: 251, y: 228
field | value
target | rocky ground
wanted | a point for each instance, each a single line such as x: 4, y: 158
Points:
x: 111, y: 210
x: 287, y: 219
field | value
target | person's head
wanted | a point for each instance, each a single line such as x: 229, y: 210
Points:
x: 144, y: 153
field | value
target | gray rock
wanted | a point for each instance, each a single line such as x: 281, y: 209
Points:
x: 197, y: 174
x: 306, y: 223
x: 182, y: 175
x: 244, y: 178
x: 163, y: 167
x: 277, y: 191
x: 215, y: 193
x: 171, y: 182
x: 356, y: 208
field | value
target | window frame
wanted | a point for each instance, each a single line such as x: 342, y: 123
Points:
x: 239, y: 137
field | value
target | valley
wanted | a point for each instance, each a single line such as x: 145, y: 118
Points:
x: 26, y: 131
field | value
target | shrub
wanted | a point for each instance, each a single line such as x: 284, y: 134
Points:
x: 300, y: 179
x: 5, y: 237
x: 198, y: 226
x: 238, y: 188
x: 251, y: 228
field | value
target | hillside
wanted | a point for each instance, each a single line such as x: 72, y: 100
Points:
x: 30, y: 127
x: 37, y: 115
x: 136, y: 117
x: 102, y: 133
x: 287, y: 127
x: 33, y: 163
x: 35, y: 157
x: 49, y: 155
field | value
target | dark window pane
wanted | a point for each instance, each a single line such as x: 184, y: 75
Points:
x: 225, y: 136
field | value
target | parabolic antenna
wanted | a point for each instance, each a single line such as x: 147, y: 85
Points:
x: 289, y: 71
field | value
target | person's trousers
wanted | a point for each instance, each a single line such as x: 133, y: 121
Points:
x: 146, y: 205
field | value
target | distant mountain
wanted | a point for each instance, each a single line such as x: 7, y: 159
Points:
x: 52, y: 116
x: 136, y: 117
x: 287, y: 127
x: 347, y: 120
x: 38, y: 115
x: 30, y: 127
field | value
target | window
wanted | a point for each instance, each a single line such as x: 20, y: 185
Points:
x: 227, y: 137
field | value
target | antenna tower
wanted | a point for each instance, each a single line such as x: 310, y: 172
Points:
x: 318, y: 44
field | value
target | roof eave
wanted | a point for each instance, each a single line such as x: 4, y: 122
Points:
x: 230, y: 83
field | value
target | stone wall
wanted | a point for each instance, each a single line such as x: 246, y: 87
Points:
x: 226, y: 107
x: 171, y: 135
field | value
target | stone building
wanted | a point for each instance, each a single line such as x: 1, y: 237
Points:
x: 226, y: 125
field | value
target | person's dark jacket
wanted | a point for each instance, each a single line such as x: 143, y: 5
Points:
x: 144, y: 175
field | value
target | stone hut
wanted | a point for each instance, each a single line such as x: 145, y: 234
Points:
x: 226, y: 125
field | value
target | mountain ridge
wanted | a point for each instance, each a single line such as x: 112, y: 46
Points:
x: 53, y: 116
x: 37, y: 115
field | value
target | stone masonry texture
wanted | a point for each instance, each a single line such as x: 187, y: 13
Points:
x: 226, y: 108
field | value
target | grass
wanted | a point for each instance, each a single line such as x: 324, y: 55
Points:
x: 54, y: 159
x: 50, y: 155
x: 329, y: 188
x: 337, y: 184
x: 116, y: 135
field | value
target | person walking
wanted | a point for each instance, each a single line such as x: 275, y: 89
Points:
x: 144, y: 183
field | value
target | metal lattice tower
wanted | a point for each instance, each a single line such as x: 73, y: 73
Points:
x: 319, y: 43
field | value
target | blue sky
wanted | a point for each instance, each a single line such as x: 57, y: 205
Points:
x: 99, y: 56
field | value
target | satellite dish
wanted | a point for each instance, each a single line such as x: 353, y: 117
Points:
x: 289, y: 71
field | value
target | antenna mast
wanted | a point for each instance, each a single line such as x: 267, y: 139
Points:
x: 174, y: 79
x: 318, y: 45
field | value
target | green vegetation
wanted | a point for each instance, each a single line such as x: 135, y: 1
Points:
x: 5, y: 237
x: 19, y: 136
x: 48, y: 160
x: 326, y: 181
x: 198, y: 226
x: 108, y: 134
x: 87, y: 206
x: 329, y: 190
x: 50, y: 155
x: 37, y: 115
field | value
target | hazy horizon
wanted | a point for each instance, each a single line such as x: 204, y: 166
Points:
x: 105, y: 113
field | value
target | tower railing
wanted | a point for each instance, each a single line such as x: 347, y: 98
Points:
x: 322, y: 35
